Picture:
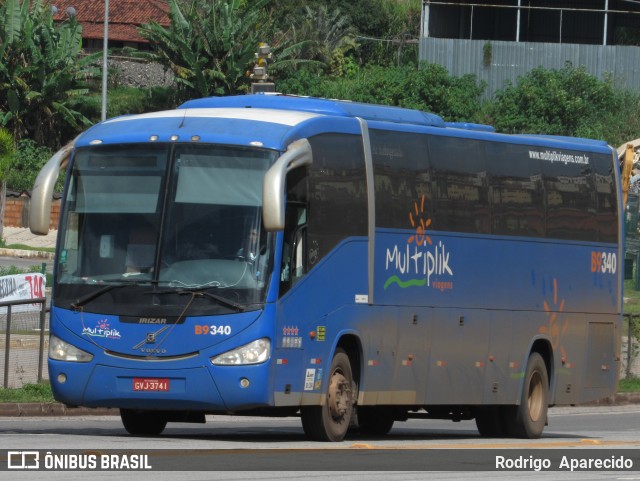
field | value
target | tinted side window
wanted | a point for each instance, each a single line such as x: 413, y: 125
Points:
x: 337, y: 193
x: 606, y: 198
x: 460, y: 185
x: 476, y: 186
x: 516, y: 193
x: 570, y: 194
x: 402, y: 177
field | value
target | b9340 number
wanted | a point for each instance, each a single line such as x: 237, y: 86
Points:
x: 213, y: 330
x: 604, y: 262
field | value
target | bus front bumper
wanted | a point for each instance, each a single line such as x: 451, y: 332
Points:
x: 212, y: 389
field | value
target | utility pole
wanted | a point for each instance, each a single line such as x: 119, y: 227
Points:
x: 105, y: 50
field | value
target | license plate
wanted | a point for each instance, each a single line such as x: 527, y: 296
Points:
x: 150, y: 384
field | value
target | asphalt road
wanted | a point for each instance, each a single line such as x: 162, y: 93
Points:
x: 262, y: 448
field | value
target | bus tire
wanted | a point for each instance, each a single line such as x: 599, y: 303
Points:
x: 374, y: 421
x: 143, y: 423
x: 489, y: 421
x: 330, y: 421
x: 527, y: 420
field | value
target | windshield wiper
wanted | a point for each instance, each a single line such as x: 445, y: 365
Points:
x: 202, y: 292
x: 95, y: 294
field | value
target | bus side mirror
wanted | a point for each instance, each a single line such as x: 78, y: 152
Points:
x: 40, y: 208
x: 298, y: 154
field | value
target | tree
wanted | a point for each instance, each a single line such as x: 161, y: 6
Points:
x: 29, y: 158
x: 41, y: 72
x: 567, y: 101
x: 7, y: 151
x: 386, y: 31
x: 209, y: 45
x: 328, y: 36
x: 429, y: 89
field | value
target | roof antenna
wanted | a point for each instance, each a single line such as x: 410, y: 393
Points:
x: 184, y: 117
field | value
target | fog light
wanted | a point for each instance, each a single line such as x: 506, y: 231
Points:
x: 244, y: 382
x: 62, y: 378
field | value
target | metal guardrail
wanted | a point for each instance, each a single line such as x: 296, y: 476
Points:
x: 27, y: 320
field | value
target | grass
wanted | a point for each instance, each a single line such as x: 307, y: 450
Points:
x: 631, y: 298
x: 29, y: 393
x: 25, y: 247
x: 629, y: 385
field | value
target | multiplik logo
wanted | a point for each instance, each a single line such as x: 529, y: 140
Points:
x: 419, y: 262
x: 102, y: 329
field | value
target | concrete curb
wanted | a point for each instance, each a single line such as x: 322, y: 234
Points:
x: 24, y: 253
x: 51, y: 409
x: 619, y: 399
x: 57, y: 409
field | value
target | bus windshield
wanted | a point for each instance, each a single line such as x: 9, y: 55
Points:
x: 164, y: 220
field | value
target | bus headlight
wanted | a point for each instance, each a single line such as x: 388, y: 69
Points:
x: 63, y: 351
x: 253, y: 353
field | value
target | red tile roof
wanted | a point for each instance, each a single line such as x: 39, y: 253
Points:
x: 125, y: 16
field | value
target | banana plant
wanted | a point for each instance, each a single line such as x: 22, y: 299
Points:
x: 209, y: 45
x: 42, y: 72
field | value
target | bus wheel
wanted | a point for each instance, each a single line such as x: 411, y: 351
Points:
x: 529, y: 418
x: 330, y: 421
x: 374, y: 421
x: 143, y: 423
x: 489, y: 421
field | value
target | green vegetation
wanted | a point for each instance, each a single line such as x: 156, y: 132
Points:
x: 12, y: 270
x: 29, y: 393
x: 631, y: 298
x: 7, y: 155
x: 29, y: 248
x: 430, y: 89
x: 29, y: 159
x: 363, y: 51
x: 42, y: 72
x: 568, y: 101
x: 209, y: 45
x: 134, y: 100
x: 629, y: 385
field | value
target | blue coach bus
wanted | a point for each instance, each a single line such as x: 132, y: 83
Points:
x: 352, y: 264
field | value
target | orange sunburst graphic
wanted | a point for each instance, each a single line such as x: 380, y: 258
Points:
x: 420, y: 224
x: 555, y: 329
